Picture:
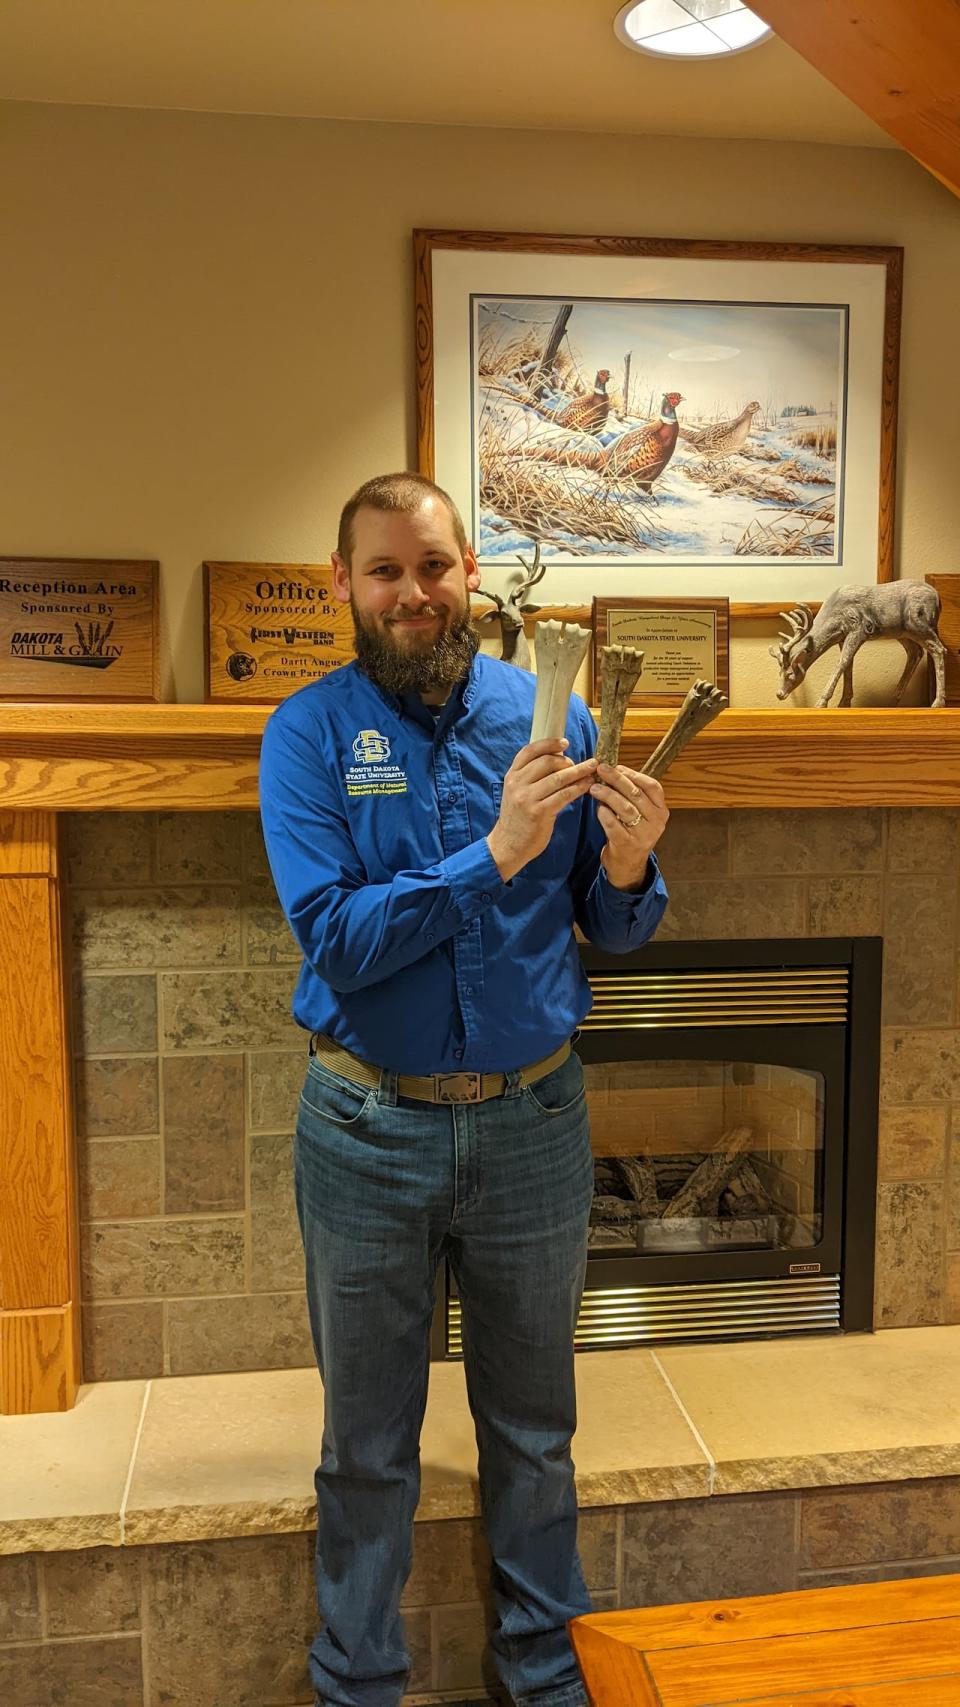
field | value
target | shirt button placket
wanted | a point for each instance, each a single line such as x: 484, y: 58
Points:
x: 455, y: 829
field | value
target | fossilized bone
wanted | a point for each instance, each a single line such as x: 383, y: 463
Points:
x: 560, y: 648
x: 620, y: 671
x: 898, y: 610
x: 621, y: 667
x: 703, y: 703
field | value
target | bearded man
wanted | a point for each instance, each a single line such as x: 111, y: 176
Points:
x: 432, y: 862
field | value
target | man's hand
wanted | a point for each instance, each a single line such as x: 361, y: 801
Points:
x: 633, y: 813
x: 536, y: 788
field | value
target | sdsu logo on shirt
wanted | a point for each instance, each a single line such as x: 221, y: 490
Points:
x: 372, y: 774
x: 371, y: 748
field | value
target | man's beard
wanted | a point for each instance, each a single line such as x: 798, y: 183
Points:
x: 399, y: 671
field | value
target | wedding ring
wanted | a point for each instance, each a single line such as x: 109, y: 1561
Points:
x: 630, y: 823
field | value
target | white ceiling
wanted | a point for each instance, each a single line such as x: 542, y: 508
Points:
x: 541, y: 64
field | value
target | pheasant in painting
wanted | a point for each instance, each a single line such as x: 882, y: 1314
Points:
x: 722, y: 438
x: 641, y: 455
x: 587, y: 414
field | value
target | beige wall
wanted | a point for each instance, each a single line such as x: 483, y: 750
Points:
x: 208, y: 319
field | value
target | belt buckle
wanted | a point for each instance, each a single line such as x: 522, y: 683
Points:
x: 457, y: 1087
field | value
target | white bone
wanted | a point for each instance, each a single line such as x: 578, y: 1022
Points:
x: 560, y: 649
x: 546, y: 645
x: 571, y: 653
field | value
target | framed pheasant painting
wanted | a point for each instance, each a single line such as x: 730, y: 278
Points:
x: 658, y: 415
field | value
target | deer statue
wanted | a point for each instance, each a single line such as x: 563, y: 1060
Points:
x: 893, y: 610
x: 510, y: 611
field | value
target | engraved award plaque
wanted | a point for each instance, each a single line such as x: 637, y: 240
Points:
x: 682, y: 641
x: 79, y: 628
x: 271, y: 628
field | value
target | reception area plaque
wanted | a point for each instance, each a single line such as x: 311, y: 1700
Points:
x: 271, y: 628
x: 682, y: 641
x: 79, y: 628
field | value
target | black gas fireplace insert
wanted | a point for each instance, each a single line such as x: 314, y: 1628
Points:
x: 733, y: 1094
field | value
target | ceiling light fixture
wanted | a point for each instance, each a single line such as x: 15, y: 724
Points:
x: 689, y: 29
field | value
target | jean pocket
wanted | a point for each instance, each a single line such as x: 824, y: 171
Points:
x: 560, y: 1091
x: 326, y: 1096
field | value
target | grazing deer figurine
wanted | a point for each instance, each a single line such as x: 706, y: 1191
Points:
x: 894, y: 610
x: 510, y: 611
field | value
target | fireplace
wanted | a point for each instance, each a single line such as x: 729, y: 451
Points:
x: 733, y: 1093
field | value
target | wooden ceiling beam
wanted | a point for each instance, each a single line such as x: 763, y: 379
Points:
x: 897, y: 60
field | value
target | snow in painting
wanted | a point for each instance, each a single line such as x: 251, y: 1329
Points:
x: 702, y: 432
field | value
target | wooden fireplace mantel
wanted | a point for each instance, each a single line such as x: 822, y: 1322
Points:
x: 70, y: 758
x: 57, y: 758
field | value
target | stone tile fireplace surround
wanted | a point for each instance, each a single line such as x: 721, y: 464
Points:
x: 188, y: 1065
x: 186, y: 1070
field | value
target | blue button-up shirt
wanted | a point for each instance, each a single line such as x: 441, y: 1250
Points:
x: 417, y: 955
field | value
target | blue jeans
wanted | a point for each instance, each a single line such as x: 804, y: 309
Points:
x: 386, y: 1187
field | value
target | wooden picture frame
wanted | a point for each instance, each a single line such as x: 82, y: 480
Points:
x: 683, y: 641
x: 853, y: 293
x: 80, y: 629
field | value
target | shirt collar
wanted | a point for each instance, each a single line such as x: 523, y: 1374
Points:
x: 411, y: 705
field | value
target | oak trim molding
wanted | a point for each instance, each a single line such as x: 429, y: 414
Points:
x: 896, y: 63
x: 39, y: 1265
x: 84, y: 758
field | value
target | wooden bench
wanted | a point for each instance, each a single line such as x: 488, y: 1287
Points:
x: 894, y: 1644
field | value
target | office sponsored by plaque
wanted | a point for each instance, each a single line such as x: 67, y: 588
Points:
x: 78, y: 629
x: 682, y: 641
x: 271, y: 628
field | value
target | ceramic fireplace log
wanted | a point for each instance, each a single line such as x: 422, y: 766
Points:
x: 709, y: 1179
x: 752, y: 1183
x: 620, y: 670
x: 609, y: 1208
x: 560, y: 649
x: 640, y: 1178
x: 739, y: 1200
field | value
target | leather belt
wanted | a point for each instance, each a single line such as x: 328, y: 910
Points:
x: 432, y: 1087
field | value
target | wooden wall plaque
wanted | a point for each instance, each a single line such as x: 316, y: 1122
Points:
x: 948, y: 628
x: 682, y: 640
x: 79, y: 628
x: 271, y: 628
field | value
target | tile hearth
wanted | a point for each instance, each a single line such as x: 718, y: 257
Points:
x: 703, y: 1472
x: 205, y: 1457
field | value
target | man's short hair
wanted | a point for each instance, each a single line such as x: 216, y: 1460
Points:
x: 402, y: 493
